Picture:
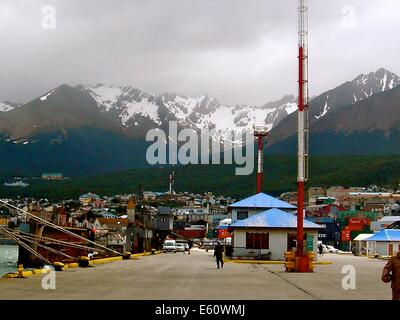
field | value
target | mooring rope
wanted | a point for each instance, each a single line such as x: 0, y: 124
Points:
x: 47, y: 223
x: 21, y: 243
x: 56, y: 241
x: 44, y: 246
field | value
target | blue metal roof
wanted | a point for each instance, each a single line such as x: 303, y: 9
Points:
x: 222, y: 227
x: 262, y: 200
x: 273, y: 218
x: 386, y: 235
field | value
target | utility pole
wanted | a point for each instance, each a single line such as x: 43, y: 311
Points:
x: 302, y: 161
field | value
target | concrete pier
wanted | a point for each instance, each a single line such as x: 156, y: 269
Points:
x: 195, y: 276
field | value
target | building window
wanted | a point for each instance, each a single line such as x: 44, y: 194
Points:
x: 257, y: 240
x: 241, y: 215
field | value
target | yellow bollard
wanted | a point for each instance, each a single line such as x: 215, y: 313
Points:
x: 83, y: 261
x: 58, y: 266
x: 289, y: 261
x: 20, y: 271
x: 126, y: 255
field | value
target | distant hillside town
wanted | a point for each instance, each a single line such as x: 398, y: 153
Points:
x: 142, y: 221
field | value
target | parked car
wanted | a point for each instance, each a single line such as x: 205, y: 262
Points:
x: 209, y: 244
x: 332, y: 249
x: 180, y: 247
x: 185, y: 244
x: 325, y: 249
x: 169, y: 246
x: 228, y: 241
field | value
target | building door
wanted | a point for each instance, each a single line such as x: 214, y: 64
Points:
x: 390, y: 249
x: 291, y: 241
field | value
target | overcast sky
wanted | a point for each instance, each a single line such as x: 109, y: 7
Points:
x: 238, y: 51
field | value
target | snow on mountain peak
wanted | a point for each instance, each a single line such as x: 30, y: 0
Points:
x: 194, y: 112
x: 44, y: 98
x: 105, y: 96
x: 380, y: 76
x: 127, y: 101
x: 5, y: 107
x: 374, y: 82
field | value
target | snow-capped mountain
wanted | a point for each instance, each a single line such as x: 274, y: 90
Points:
x: 363, y: 86
x: 130, y: 105
x: 8, y: 106
x: 91, y: 129
x: 126, y: 102
x: 348, y: 93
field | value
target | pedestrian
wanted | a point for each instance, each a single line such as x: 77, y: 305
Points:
x: 218, y: 250
x: 320, y: 249
x: 190, y: 244
x: 391, y: 273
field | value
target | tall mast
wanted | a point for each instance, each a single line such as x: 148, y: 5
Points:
x: 171, y: 181
x: 260, y: 132
x: 302, y: 155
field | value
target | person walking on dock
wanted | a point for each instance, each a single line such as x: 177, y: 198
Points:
x: 218, y: 251
x: 391, y: 272
x: 190, y: 244
x: 320, y: 249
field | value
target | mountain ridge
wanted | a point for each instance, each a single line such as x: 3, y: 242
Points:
x: 88, y: 129
x: 360, y: 88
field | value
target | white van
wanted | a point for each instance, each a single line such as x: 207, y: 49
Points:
x: 169, y: 246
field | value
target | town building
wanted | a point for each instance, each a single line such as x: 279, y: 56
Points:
x: 257, y: 203
x: 330, y: 231
x: 269, y: 234
x: 164, y: 220
x: 337, y: 192
x: 376, y: 205
x: 192, y: 214
x: 324, y: 210
x: 384, y: 243
x: 289, y: 197
x: 384, y: 222
x: 149, y: 196
x: 88, y: 198
x: 314, y: 193
x: 52, y: 176
x: 360, y: 243
x: 325, y: 200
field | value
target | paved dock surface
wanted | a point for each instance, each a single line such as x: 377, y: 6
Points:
x: 182, y: 276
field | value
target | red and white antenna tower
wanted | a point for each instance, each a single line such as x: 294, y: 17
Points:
x: 171, y: 181
x: 302, y: 167
x: 260, y: 132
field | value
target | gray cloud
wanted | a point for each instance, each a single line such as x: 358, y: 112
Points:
x: 239, y: 51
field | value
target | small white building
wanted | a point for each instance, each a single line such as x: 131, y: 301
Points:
x: 269, y: 234
x: 384, y: 243
x: 361, y: 243
x: 253, y: 205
